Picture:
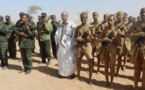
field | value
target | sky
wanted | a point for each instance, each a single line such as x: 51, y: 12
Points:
x: 74, y: 7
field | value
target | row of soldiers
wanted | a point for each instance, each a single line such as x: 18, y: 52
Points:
x: 115, y: 39
x: 112, y: 39
x: 25, y: 32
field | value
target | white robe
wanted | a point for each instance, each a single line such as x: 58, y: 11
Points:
x: 65, y: 55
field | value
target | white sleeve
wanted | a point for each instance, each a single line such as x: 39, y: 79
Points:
x: 57, y: 36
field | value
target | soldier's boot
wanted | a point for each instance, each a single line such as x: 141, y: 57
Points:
x: 28, y: 71
x: 78, y: 67
x: 23, y: 70
x: 48, y: 62
x: 91, y: 65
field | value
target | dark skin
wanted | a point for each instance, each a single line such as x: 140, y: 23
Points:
x: 95, y: 18
x: 95, y: 29
x: 44, y: 21
x: 25, y: 20
x: 136, y: 30
x: 121, y: 32
x: 79, y: 31
x: 108, y: 29
x: 105, y: 22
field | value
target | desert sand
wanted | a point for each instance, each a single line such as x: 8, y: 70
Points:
x: 46, y: 78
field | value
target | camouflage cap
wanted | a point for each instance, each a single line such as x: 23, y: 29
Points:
x: 21, y: 13
x: 7, y: 17
x: 52, y: 16
x: 43, y: 14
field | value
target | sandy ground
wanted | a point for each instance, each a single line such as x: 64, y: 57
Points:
x: 46, y: 78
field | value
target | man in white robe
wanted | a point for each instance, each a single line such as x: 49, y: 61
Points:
x: 64, y: 38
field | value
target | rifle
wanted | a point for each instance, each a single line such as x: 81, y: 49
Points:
x: 140, y: 39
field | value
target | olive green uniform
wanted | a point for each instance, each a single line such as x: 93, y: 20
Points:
x: 26, y: 45
x: 44, y: 31
x: 11, y: 37
x: 3, y: 44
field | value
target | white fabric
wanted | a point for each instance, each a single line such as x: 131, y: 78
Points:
x: 65, y: 55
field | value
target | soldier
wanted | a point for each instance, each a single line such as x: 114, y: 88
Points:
x: 96, y: 32
x: 130, y: 22
x: 45, y: 40
x: 135, y: 20
x: 99, y: 29
x: 26, y: 43
x: 108, y: 49
x: 120, y: 26
x: 54, y: 24
x: 3, y: 44
x: 11, y: 37
x: 19, y: 22
x: 18, y: 26
x: 137, y: 31
x: 83, y: 37
x: 96, y: 23
x: 105, y: 22
x: 125, y: 18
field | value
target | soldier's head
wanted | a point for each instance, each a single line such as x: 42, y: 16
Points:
x: 25, y: 18
x: 134, y: 20
x: 84, y: 17
x: 7, y: 18
x: 106, y: 17
x: 21, y: 14
x: 111, y: 20
x: 120, y: 16
x: 130, y: 18
x: 142, y: 13
x: 64, y: 16
x: 39, y: 18
x: 53, y: 18
x: 125, y: 18
x: 95, y: 16
x: 43, y: 17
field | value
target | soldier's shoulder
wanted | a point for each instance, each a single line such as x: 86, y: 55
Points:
x: 137, y: 24
x: 79, y: 26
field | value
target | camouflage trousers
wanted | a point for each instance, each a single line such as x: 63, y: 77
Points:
x: 3, y: 53
x: 26, y: 57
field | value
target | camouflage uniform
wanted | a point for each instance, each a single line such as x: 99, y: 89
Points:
x: 3, y: 44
